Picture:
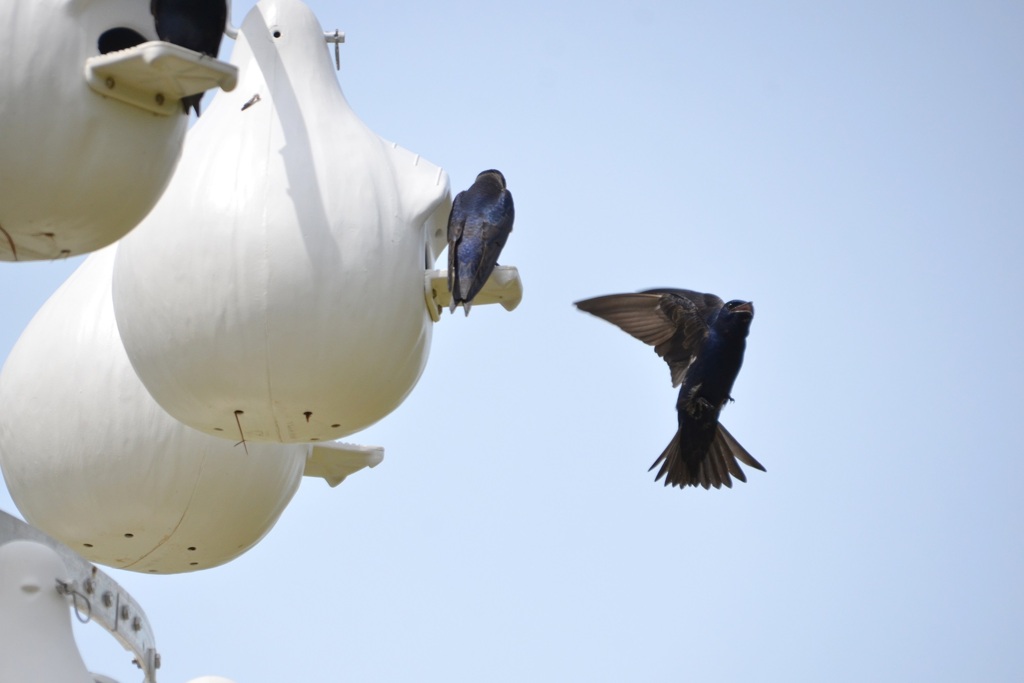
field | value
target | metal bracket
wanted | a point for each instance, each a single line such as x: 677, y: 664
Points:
x: 104, y: 601
x: 337, y: 37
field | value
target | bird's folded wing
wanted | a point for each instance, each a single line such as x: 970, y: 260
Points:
x: 456, y: 225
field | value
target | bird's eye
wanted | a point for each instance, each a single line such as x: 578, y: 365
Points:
x: 734, y: 303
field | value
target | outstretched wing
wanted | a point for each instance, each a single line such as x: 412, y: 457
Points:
x: 673, y: 321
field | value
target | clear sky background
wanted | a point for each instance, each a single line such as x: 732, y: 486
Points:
x: 857, y: 171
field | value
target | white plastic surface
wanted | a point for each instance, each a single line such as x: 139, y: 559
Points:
x: 503, y: 287
x: 36, y: 642
x: 280, y: 278
x: 94, y: 596
x: 92, y: 460
x: 154, y: 76
x: 333, y: 462
x: 77, y: 170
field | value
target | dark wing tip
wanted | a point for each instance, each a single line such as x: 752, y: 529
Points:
x: 639, y: 315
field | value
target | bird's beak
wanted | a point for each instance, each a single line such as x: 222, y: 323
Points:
x: 747, y: 308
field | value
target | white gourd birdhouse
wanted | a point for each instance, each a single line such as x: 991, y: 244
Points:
x: 276, y: 291
x: 79, y: 167
x: 92, y: 460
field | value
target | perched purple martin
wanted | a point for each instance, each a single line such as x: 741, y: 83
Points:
x: 702, y: 339
x: 197, y: 25
x: 478, y: 228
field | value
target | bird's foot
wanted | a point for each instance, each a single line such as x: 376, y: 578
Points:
x: 698, y: 405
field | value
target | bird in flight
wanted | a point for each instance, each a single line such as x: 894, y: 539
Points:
x: 702, y: 338
x: 478, y: 227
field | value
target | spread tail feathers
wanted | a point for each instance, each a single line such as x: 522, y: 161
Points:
x: 713, y: 470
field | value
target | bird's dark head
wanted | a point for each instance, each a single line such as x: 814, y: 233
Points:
x: 493, y: 176
x: 742, y: 308
x: 734, y: 318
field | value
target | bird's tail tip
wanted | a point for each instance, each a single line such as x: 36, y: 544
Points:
x: 716, y: 469
x: 456, y: 303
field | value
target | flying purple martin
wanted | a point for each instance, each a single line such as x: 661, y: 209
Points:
x: 702, y: 339
x: 197, y: 25
x: 478, y: 228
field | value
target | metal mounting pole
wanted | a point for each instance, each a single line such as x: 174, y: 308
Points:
x: 94, y: 596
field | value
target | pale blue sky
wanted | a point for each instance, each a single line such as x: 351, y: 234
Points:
x: 857, y: 172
